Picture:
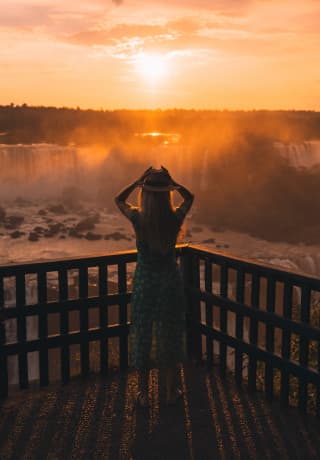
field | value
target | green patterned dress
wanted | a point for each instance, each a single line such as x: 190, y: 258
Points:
x: 158, y: 308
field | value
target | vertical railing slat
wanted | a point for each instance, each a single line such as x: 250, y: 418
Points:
x: 196, y: 309
x: 122, y: 288
x: 22, y: 329
x: 285, y: 345
x: 43, y: 328
x: 253, y: 332
x: 239, y: 326
x: 208, y: 288
x: 268, y: 379
x: 223, y: 315
x: 103, y: 318
x: 84, y: 319
x: 304, y: 347
x: 186, y: 269
x: 191, y: 278
x: 64, y: 326
x: 318, y: 386
x: 3, y: 357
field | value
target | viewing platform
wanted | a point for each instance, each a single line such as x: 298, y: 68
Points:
x: 251, y: 388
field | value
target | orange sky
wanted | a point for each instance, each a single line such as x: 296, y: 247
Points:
x: 235, y: 54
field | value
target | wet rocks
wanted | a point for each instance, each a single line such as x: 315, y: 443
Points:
x: 74, y: 233
x: 88, y: 223
x: 33, y: 236
x: 16, y: 234
x: 2, y: 214
x: 92, y: 236
x: 57, y: 209
x: 13, y: 222
x: 116, y: 236
x: 53, y: 229
x: 39, y: 229
x: 42, y: 212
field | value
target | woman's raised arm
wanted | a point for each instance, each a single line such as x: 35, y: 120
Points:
x: 121, y: 199
x: 187, y: 196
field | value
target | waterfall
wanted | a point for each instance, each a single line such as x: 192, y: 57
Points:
x: 28, y: 170
x: 305, y: 155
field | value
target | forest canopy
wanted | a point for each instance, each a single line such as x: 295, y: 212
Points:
x: 29, y: 124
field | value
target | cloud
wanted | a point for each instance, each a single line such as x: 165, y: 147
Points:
x: 25, y: 17
x: 117, y: 2
x: 120, y: 32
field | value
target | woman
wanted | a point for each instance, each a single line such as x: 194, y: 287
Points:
x: 157, y: 333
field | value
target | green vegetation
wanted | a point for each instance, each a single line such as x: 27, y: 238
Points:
x: 27, y: 124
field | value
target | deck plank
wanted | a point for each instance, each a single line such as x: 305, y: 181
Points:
x: 97, y: 418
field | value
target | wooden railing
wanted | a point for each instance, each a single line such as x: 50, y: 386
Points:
x: 43, y: 308
x: 258, y: 321
x: 268, y: 318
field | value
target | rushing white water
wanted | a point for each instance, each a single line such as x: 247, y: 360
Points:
x: 28, y: 170
x: 305, y: 155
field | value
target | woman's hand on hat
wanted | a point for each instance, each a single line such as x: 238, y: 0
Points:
x: 173, y: 182
x: 144, y: 175
x: 166, y: 171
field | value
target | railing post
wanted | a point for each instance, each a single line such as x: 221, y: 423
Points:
x: 22, y: 330
x: 304, y: 348
x: 209, y: 315
x: 270, y: 338
x: 3, y: 357
x: 239, y: 327
x: 84, y: 320
x: 64, y: 327
x: 103, y: 318
x: 43, y: 328
x: 122, y: 287
x: 223, y: 316
x: 285, y: 344
x: 253, y: 333
x: 191, y: 279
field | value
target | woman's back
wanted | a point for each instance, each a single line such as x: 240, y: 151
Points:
x: 158, y: 304
x: 148, y: 254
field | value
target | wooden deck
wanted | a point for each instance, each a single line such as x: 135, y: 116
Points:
x: 97, y: 418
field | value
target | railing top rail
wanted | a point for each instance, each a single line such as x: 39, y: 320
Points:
x: 71, y: 262
x: 249, y: 265
x: 66, y: 262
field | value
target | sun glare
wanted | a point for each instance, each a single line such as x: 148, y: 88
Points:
x: 153, y: 68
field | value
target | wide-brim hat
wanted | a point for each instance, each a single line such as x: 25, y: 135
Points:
x: 158, y: 180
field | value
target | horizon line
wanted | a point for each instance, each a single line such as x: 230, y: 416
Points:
x: 158, y: 109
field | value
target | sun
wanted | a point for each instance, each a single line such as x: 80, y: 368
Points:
x: 152, y: 67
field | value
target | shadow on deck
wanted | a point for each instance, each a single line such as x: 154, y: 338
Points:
x: 96, y: 418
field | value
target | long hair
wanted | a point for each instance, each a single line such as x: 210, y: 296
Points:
x: 158, y: 227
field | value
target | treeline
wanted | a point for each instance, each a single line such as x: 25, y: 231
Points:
x: 28, y: 124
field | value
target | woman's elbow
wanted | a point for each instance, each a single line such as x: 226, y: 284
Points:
x: 117, y: 201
